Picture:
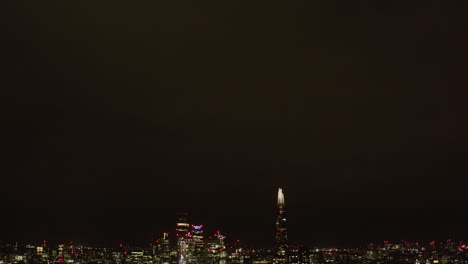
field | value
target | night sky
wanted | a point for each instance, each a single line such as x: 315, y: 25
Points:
x: 117, y: 114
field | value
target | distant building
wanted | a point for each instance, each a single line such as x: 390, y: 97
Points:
x: 281, y: 239
x: 216, y: 249
x: 183, y: 239
x: 165, y: 251
x: 198, y: 245
x: 298, y: 255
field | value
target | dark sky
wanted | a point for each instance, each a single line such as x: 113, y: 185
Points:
x: 117, y: 114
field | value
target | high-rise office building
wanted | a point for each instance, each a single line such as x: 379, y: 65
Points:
x: 281, y: 239
x: 216, y: 249
x: 183, y: 238
x: 165, y: 251
x: 198, y: 245
x: 182, y: 226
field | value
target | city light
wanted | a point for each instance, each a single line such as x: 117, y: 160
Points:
x: 189, y: 245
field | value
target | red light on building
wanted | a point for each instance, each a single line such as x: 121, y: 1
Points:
x: 60, y: 259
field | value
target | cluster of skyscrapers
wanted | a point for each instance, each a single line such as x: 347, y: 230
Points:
x: 189, y: 245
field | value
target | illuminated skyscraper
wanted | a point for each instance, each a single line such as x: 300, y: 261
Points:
x: 183, y: 239
x: 198, y: 245
x: 281, y: 239
x: 165, y: 249
x: 216, y: 249
x: 182, y: 226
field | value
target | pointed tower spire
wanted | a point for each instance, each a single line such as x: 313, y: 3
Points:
x: 281, y: 232
x: 280, y: 197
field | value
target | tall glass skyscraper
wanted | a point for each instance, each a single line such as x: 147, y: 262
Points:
x: 281, y: 245
x: 198, y: 245
x: 183, y: 239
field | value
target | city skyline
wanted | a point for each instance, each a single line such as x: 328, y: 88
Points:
x: 184, y: 228
x: 216, y: 252
x: 116, y: 115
